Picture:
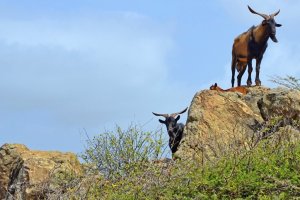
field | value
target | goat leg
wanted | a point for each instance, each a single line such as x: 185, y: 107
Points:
x: 257, y: 80
x: 249, y: 81
x: 241, y: 73
x: 233, y: 66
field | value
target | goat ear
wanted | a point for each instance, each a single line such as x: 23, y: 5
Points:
x: 177, y: 118
x: 216, y: 85
x: 162, y: 121
x: 278, y: 25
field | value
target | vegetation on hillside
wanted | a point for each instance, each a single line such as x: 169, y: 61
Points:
x: 120, y: 165
x: 129, y: 164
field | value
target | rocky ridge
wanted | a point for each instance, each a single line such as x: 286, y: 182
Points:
x: 218, y: 121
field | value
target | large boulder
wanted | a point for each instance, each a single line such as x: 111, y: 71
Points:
x: 23, y: 171
x: 219, y: 121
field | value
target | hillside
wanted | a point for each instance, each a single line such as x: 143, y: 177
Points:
x: 234, y: 146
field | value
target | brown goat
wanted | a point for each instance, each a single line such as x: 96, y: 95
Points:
x: 239, y: 89
x: 252, y: 44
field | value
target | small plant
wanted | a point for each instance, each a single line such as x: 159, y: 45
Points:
x: 117, y: 153
x: 288, y: 81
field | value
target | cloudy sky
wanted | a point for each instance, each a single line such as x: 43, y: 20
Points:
x: 70, y: 66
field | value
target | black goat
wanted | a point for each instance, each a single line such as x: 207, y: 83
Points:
x: 252, y: 44
x: 175, y: 130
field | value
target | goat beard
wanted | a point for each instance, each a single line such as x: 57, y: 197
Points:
x: 273, y: 38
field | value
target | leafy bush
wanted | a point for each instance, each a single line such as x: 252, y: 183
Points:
x: 117, y: 153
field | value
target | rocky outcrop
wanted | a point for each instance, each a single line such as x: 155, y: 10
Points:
x: 219, y: 121
x: 22, y: 171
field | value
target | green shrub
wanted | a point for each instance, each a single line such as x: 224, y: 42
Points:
x: 117, y: 153
x: 269, y: 170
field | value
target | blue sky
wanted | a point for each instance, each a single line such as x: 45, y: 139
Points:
x: 72, y: 66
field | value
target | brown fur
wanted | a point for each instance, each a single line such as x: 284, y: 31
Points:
x: 239, y: 89
x: 252, y: 44
x: 240, y: 45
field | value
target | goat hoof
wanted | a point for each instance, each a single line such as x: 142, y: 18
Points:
x: 249, y: 83
x: 258, y: 83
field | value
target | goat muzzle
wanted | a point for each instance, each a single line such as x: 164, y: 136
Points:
x: 273, y: 38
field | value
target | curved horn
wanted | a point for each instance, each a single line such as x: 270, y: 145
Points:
x: 260, y: 14
x: 274, y: 14
x: 163, y: 115
x: 178, y: 113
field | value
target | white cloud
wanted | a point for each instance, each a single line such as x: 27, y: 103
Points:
x: 88, y: 71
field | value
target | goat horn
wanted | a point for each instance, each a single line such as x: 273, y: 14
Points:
x: 273, y: 15
x: 178, y: 113
x: 260, y: 14
x: 163, y: 115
